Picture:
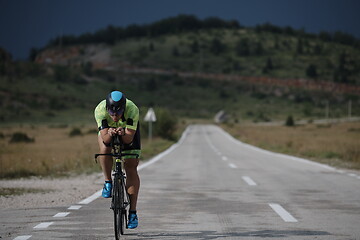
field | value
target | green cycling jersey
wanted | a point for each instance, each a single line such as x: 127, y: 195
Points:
x: 129, y: 119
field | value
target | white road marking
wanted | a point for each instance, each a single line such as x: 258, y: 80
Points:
x: 285, y: 215
x: 249, y: 181
x: 74, y: 207
x: 224, y: 158
x: 352, y: 175
x: 61, y: 214
x: 166, y: 152
x: 91, y: 198
x: 232, y: 165
x: 25, y: 237
x: 43, y: 225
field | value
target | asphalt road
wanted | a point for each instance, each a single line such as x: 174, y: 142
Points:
x: 210, y: 186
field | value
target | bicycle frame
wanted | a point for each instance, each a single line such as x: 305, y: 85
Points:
x: 120, y: 199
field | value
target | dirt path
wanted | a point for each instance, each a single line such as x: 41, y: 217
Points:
x: 35, y: 192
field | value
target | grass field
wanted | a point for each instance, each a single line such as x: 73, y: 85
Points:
x: 337, y: 145
x: 54, y: 152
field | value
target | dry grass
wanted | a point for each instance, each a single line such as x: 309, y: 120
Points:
x: 53, y: 152
x: 334, y: 144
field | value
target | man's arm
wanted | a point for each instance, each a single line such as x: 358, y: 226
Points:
x: 107, y: 134
x: 128, y: 136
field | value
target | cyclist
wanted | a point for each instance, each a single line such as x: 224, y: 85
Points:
x: 117, y: 115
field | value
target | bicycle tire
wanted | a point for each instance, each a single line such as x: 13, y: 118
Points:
x: 117, y: 208
x: 122, y: 208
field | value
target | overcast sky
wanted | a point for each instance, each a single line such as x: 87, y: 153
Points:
x: 32, y: 23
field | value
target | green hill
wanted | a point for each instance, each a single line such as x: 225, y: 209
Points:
x: 192, y: 67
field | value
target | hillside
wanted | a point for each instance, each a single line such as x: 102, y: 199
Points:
x: 257, y: 74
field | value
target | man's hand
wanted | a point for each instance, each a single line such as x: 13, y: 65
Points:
x: 112, y: 132
x: 116, y: 131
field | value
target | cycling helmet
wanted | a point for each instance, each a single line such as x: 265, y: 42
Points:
x: 115, y: 103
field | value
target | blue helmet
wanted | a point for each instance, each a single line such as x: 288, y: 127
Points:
x: 115, y: 103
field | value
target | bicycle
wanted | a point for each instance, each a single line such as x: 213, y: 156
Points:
x: 120, y: 200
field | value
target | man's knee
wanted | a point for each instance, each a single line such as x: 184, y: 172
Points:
x: 131, y: 164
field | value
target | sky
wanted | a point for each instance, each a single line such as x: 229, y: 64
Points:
x: 26, y: 24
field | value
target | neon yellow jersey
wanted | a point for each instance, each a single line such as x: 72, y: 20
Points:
x: 129, y: 120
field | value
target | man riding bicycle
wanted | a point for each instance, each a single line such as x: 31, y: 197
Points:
x: 117, y: 115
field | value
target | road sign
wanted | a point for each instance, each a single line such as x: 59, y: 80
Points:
x: 150, y: 116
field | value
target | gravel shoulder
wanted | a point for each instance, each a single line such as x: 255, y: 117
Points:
x: 51, y: 192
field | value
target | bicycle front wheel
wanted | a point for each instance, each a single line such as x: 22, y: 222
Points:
x: 119, y: 207
x: 118, y: 194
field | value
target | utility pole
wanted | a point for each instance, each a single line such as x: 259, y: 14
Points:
x: 349, y: 109
x: 327, y: 110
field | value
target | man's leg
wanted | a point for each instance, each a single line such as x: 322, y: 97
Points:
x: 132, y: 187
x: 106, y: 162
x: 132, y: 181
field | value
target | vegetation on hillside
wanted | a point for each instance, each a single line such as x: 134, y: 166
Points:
x: 172, y: 50
x: 185, y: 68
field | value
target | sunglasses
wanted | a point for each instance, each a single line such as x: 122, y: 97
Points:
x: 116, y: 112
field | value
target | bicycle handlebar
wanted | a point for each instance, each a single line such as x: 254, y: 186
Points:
x: 116, y: 154
x: 116, y: 141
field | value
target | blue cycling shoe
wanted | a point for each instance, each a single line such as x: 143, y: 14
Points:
x: 133, y: 221
x: 106, y: 192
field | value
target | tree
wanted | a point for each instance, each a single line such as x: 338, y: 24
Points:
x: 341, y: 73
x: 151, y: 47
x: 300, y: 46
x: 259, y: 49
x: 195, y: 46
x: 242, y: 47
x: 217, y: 46
x: 311, y: 71
x: 175, y: 52
x: 269, y: 66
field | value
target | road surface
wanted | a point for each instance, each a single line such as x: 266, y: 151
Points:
x: 211, y: 186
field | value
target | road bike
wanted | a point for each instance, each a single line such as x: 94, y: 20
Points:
x: 120, y: 199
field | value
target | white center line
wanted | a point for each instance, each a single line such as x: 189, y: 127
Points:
x: 43, y: 225
x: 232, y: 165
x: 285, y: 215
x: 224, y: 158
x: 25, y: 237
x: 74, y: 207
x: 249, y: 181
x: 61, y: 214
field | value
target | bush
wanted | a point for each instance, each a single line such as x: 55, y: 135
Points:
x: 290, y: 121
x: 75, y: 132
x: 21, y: 137
x: 165, y: 125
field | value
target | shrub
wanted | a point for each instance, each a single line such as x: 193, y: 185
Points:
x: 21, y: 137
x: 75, y: 132
x: 290, y: 121
x: 166, y: 124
